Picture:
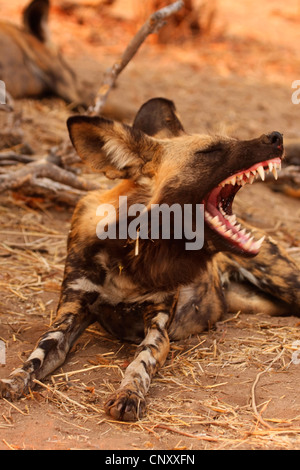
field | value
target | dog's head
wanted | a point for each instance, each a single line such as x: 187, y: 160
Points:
x: 176, y: 167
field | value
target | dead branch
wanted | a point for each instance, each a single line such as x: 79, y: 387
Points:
x: 43, y: 178
x: 10, y: 158
x: 44, y: 169
x: 152, y: 25
x: 53, y: 191
x: 254, y: 407
x: 46, y: 177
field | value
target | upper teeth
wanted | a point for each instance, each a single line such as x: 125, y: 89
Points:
x: 233, y: 230
x: 250, y: 175
x: 261, y: 172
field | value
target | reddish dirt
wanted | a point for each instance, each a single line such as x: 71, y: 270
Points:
x: 237, y: 80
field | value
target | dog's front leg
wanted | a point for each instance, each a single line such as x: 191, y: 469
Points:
x: 128, y: 402
x: 52, y: 348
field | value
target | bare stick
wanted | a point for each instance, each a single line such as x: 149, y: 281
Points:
x: 11, y: 158
x: 48, y: 179
x: 187, y: 434
x: 15, y: 407
x: 43, y: 169
x: 87, y: 369
x: 254, y: 407
x: 65, y: 397
x: 152, y: 25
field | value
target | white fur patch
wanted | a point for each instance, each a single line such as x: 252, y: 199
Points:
x: 85, y: 285
x: 120, y: 155
x: 38, y: 353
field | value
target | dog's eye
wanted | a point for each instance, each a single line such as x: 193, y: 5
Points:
x: 212, y: 149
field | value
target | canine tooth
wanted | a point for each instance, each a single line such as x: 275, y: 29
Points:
x: 256, y: 245
x: 248, y: 243
x: 261, y: 172
x: 274, y: 171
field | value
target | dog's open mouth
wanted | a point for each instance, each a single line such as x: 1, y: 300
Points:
x: 218, y: 206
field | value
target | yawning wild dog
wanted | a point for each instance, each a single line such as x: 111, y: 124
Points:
x: 30, y: 64
x: 158, y: 289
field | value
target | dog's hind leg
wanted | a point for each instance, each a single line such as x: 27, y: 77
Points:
x: 200, y: 305
x: 246, y: 298
x: 272, y: 273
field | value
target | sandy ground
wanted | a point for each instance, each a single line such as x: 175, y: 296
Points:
x: 236, y: 80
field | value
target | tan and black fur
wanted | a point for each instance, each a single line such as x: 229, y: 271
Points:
x: 163, y: 291
x: 31, y: 64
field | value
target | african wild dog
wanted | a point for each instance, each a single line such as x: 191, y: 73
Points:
x: 30, y: 64
x: 162, y: 291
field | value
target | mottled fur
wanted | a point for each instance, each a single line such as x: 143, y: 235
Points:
x: 163, y: 291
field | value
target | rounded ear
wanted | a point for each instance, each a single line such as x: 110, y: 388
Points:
x: 158, y: 117
x: 35, y: 19
x: 116, y: 149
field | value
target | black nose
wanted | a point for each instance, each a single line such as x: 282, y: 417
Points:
x: 275, y: 139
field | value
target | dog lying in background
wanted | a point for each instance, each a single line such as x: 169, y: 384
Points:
x: 30, y: 64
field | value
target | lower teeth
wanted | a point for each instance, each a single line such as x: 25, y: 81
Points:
x: 241, y: 236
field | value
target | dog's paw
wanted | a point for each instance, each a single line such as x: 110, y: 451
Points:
x: 125, y: 405
x: 13, y: 387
